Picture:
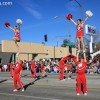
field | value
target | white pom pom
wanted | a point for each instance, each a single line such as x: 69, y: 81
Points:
x: 89, y: 13
x: 19, y: 21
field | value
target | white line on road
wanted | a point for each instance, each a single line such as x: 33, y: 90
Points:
x: 29, y: 96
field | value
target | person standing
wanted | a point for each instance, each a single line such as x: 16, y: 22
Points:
x: 81, y: 74
x: 80, y: 29
x: 69, y: 70
x: 42, y: 69
x: 17, y: 74
x: 33, y: 70
x: 61, y: 65
x: 11, y: 70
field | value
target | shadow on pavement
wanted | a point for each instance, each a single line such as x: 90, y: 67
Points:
x: 31, y: 83
x: 3, y: 81
x: 24, y: 75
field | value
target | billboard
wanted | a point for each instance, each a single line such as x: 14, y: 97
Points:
x: 90, y: 30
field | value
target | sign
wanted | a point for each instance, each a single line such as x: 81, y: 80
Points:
x: 90, y: 30
x: 70, y: 44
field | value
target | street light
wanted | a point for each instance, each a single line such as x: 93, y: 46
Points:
x: 58, y: 16
x: 80, y: 7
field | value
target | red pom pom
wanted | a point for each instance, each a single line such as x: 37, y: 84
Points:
x: 69, y: 16
x: 7, y: 24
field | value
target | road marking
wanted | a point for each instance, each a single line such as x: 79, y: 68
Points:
x: 64, y: 87
x: 55, y: 86
x: 28, y: 96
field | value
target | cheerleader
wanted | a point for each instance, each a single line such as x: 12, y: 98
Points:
x: 17, y: 74
x: 42, y: 69
x: 81, y: 74
x: 16, y: 30
x: 16, y: 38
x: 69, y: 70
x: 80, y: 32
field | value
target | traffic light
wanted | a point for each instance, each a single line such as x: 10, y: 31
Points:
x: 45, y: 38
x: 70, y: 49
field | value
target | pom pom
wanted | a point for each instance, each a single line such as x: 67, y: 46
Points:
x: 19, y: 21
x: 69, y: 16
x: 89, y: 13
x: 7, y: 24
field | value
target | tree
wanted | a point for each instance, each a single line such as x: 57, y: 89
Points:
x: 96, y: 38
x: 97, y: 47
x: 65, y: 41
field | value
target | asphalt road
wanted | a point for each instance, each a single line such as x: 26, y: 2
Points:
x: 48, y: 88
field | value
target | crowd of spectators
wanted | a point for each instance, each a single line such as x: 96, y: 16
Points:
x: 93, y: 66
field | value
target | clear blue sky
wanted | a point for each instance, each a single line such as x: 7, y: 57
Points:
x: 38, y: 18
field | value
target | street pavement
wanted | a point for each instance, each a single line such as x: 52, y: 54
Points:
x: 48, y: 88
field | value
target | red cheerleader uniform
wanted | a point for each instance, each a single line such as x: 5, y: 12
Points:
x: 80, y: 32
x: 11, y: 69
x: 17, y: 77
x: 81, y: 77
x: 61, y: 65
x: 17, y: 34
x: 42, y: 68
x: 33, y: 70
x: 68, y: 67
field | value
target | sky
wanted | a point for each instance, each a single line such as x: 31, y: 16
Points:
x: 38, y: 19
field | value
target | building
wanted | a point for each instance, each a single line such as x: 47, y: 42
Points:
x: 30, y: 51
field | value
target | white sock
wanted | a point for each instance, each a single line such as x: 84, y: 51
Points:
x: 17, y: 54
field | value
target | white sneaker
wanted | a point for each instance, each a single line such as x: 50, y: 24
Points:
x: 78, y: 51
x: 15, y: 90
x: 62, y: 80
x: 78, y: 94
x: 69, y: 78
x: 85, y: 93
x: 84, y: 51
x: 23, y: 90
x: 17, y: 54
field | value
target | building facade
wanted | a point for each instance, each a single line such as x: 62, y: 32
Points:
x: 33, y: 50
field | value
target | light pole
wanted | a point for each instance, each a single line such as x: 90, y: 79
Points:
x: 80, y: 8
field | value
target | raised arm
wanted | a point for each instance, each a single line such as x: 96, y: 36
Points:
x: 73, y: 22
x: 77, y: 57
x: 84, y: 57
x: 11, y: 28
x: 17, y: 57
x: 19, y: 26
x: 85, y: 20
